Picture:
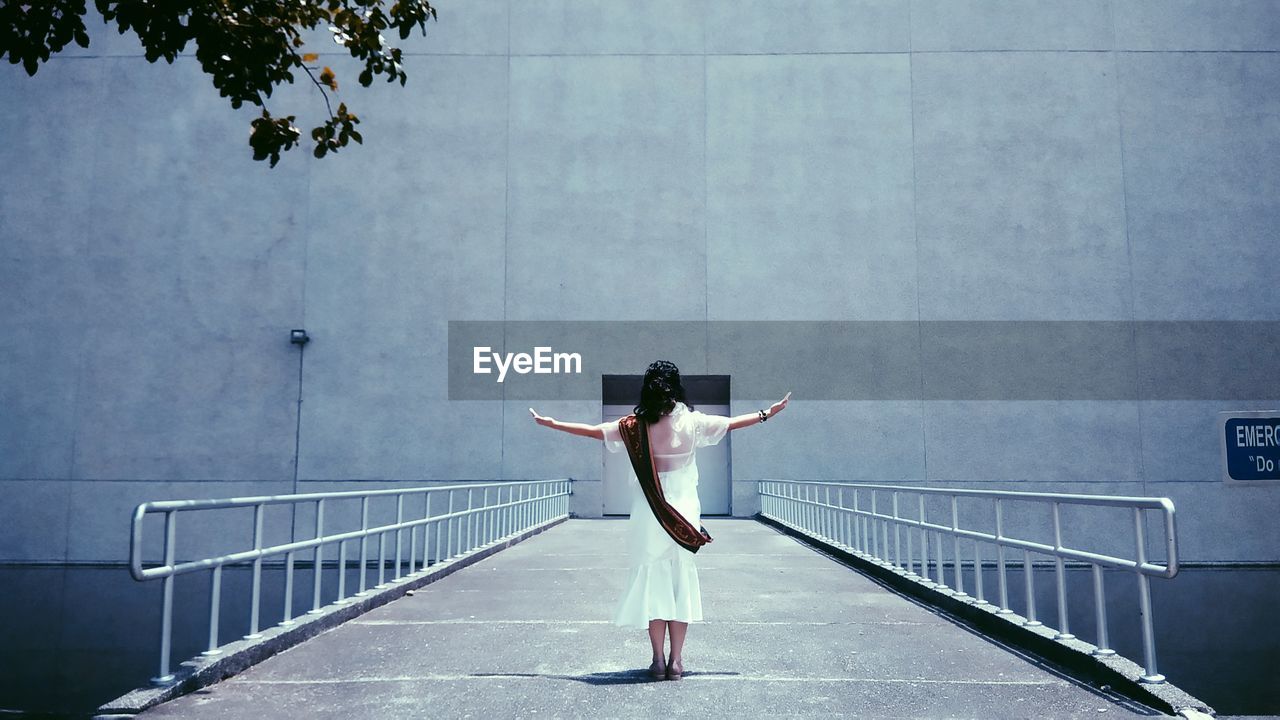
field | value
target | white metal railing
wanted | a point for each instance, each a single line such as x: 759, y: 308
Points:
x: 853, y: 516
x: 493, y: 513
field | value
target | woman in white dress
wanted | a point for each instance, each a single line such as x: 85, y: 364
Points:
x: 662, y: 593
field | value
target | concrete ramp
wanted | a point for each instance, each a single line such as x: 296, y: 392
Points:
x: 527, y: 633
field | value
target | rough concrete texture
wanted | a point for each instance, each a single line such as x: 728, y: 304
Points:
x: 527, y: 633
x: 855, y: 159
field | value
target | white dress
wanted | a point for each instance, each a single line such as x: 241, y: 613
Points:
x: 663, y: 580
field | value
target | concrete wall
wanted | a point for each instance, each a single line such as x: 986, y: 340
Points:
x: 823, y: 159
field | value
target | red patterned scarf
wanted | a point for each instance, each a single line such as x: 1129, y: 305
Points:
x: 635, y: 436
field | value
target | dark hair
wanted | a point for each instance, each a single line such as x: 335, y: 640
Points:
x: 660, y: 391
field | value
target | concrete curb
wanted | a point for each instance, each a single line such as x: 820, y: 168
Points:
x: 1073, y: 656
x: 202, y: 671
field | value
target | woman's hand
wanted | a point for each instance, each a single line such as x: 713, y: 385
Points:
x: 541, y: 419
x: 754, y: 417
x: 778, y: 407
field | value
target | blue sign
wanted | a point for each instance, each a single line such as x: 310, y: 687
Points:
x: 1250, y: 445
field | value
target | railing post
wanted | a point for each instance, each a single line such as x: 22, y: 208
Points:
x: 910, y: 554
x: 1064, y: 629
x: 826, y: 513
x: 810, y: 507
x: 504, y: 512
x: 849, y: 521
x: 413, y: 549
x: 382, y: 559
x: 942, y: 577
x: 838, y: 518
x: 317, y: 559
x: 1031, y: 589
x: 464, y: 528
x: 955, y: 535
x: 1152, y: 675
x: 977, y: 571
x: 470, y: 522
x: 364, y: 542
x: 256, y: 594
x: 924, y: 543
x: 794, y: 505
x: 801, y: 506
x: 288, y: 589
x: 875, y: 529
x: 399, y: 531
x: 488, y: 520
x: 789, y: 508
x: 1004, y: 584
x: 794, y: 517
x: 856, y: 519
x: 215, y: 603
x: 806, y: 507
x: 439, y: 535
x: 884, y: 532
x: 523, y: 522
x: 426, y: 529
x: 866, y: 535
x: 448, y: 553
x: 897, y: 534
x: 166, y: 600
x: 1100, y: 613
x: 342, y: 571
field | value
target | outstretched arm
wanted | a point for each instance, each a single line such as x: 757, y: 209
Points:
x: 753, y: 418
x: 583, y: 429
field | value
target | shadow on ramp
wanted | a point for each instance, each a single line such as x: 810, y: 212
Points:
x: 618, y: 677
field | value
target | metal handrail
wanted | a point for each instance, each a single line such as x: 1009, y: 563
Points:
x: 864, y: 531
x: 527, y: 505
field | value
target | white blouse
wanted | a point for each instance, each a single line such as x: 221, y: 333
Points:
x: 675, y: 437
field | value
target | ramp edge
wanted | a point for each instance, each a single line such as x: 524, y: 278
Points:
x: 1072, y: 656
x: 202, y: 671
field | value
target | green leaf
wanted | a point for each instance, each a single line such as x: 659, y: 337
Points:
x: 248, y: 50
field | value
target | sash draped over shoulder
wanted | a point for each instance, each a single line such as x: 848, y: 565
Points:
x: 635, y: 436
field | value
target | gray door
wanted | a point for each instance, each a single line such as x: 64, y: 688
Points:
x: 713, y: 469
